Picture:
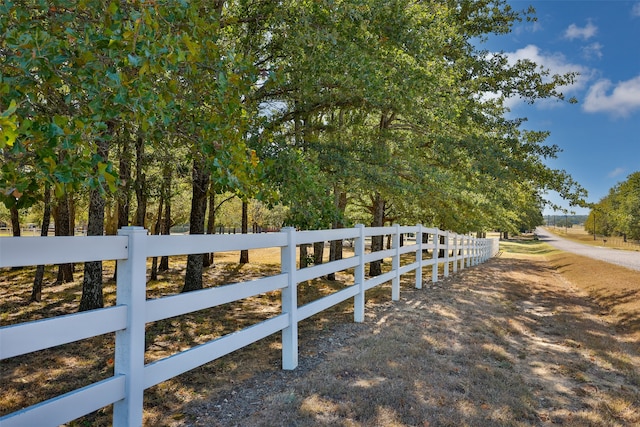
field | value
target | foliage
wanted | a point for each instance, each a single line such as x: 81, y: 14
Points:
x: 293, y: 103
x: 618, y: 213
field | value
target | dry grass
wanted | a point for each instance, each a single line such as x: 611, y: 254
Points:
x: 530, y: 338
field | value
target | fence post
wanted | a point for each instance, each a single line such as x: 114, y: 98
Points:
x: 419, y: 257
x: 290, y: 301
x: 436, y: 250
x: 395, y: 264
x: 447, y: 247
x: 455, y: 252
x: 476, y: 250
x: 129, y: 352
x: 462, y: 247
x: 472, y: 254
x: 359, y: 298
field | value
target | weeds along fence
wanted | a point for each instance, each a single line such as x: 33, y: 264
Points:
x: 132, y: 311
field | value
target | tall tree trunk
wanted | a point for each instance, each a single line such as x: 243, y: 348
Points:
x: 65, y: 271
x: 124, y: 192
x: 111, y: 217
x: 15, y: 221
x: 200, y: 175
x: 244, y: 254
x: 377, y: 209
x: 425, y: 241
x: 92, y: 297
x: 72, y: 214
x: 304, y: 255
x: 15, y: 225
x: 335, y: 247
x: 166, y: 222
x: 442, y: 244
x: 211, y: 222
x: 157, y: 230
x: 140, y: 184
x: 318, y: 252
x: 36, y: 292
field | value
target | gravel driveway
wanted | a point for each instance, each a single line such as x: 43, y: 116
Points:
x: 629, y: 259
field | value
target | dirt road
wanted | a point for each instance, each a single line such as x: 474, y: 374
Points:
x: 629, y: 259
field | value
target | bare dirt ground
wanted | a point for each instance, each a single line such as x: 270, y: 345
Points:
x: 507, y: 343
x: 531, y: 338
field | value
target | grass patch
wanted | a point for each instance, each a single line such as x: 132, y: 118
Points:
x: 526, y: 247
x: 615, y: 289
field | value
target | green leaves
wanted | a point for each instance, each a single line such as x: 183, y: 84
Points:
x: 370, y: 95
x: 8, y: 125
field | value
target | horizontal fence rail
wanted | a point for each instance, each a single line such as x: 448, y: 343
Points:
x: 128, y: 318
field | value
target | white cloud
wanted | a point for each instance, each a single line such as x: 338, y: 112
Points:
x: 594, y: 50
x: 621, y: 101
x: 556, y: 63
x: 635, y: 11
x: 585, y: 33
x: 616, y: 172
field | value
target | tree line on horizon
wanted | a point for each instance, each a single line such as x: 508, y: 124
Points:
x: 618, y: 213
x: 328, y: 110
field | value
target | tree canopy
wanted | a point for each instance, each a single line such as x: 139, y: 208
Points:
x: 618, y: 213
x: 340, y: 110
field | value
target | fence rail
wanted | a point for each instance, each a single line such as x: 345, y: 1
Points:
x: 133, y: 311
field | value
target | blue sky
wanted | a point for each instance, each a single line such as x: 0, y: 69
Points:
x: 599, y: 136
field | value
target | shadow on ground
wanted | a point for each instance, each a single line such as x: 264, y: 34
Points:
x: 506, y: 343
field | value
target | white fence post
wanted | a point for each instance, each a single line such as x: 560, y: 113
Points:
x: 455, y: 252
x: 472, y: 252
x: 462, y: 248
x: 436, y: 250
x: 395, y: 264
x: 447, y: 247
x: 290, y: 301
x: 419, y: 257
x: 359, y: 278
x: 129, y: 352
x: 476, y: 251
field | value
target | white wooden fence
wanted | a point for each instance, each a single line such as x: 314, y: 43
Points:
x: 133, y: 311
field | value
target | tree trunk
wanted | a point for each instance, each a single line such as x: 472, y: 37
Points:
x: 335, y: 247
x: 304, y: 255
x: 15, y: 220
x: 211, y: 222
x: 140, y: 184
x: 166, y: 223
x: 318, y: 252
x: 425, y: 241
x: 65, y: 271
x: 200, y: 175
x: 92, y: 297
x: 375, y: 267
x: 72, y: 215
x: 124, y: 192
x: 36, y: 292
x: 15, y: 226
x: 244, y: 254
x: 111, y: 218
x: 156, y: 230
